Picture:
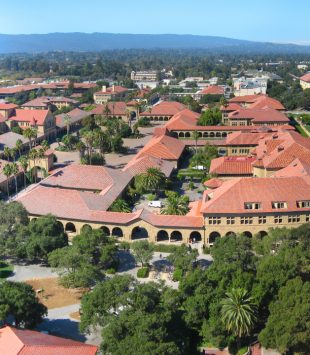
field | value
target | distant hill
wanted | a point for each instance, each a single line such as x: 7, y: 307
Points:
x: 76, y: 41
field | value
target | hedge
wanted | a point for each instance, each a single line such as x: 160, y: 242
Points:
x: 143, y: 272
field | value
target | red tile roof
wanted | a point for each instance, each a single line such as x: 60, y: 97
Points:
x: 28, y: 342
x: 164, y: 108
x: 163, y: 147
x: 279, y: 150
x: 296, y: 168
x: 7, y: 106
x: 265, y: 115
x: 245, y: 138
x: 231, y: 106
x: 258, y: 101
x: 212, y: 90
x: 213, y: 183
x: 231, y: 196
x: 75, y: 115
x: 32, y: 116
x: 139, y: 165
x: 233, y: 166
x: 183, y: 120
x: 117, y: 108
x: 115, y: 89
x: 306, y: 78
x: 44, y: 101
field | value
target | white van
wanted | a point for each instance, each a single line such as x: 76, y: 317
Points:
x: 157, y: 204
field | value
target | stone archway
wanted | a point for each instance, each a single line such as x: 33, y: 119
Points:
x: 139, y: 233
x: 187, y: 135
x: 86, y: 228
x: 247, y: 234
x: 262, y: 234
x: 230, y: 234
x: 176, y: 236
x: 181, y: 135
x: 212, y: 134
x: 105, y: 230
x: 224, y: 134
x: 117, y: 232
x: 206, y: 134
x: 162, y: 236
x: 70, y: 228
x: 213, y: 236
x: 195, y: 237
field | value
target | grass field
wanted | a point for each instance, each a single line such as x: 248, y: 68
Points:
x: 6, y: 270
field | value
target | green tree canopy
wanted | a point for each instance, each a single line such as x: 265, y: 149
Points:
x: 19, y: 300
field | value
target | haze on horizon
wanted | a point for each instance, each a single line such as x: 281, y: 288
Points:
x: 281, y: 21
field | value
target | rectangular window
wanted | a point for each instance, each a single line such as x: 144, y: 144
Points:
x: 278, y: 219
x: 302, y: 204
x: 246, y: 220
x: 252, y: 205
x: 214, y: 220
x: 308, y: 218
x: 279, y: 204
x: 230, y: 220
x: 262, y: 219
x: 294, y: 219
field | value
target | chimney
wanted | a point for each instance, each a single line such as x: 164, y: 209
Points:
x: 104, y: 88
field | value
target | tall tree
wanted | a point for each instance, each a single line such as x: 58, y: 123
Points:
x: 30, y: 133
x: 175, y: 204
x: 19, y: 301
x: 238, y: 313
x: 23, y: 161
x: 7, y: 171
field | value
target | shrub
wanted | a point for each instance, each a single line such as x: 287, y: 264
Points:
x: 111, y: 271
x: 143, y: 272
x: 206, y: 250
x: 124, y: 246
x: 177, y: 275
x: 165, y: 248
x: 150, y: 197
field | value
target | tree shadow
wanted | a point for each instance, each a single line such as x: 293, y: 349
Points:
x: 126, y: 261
x: 65, y: 328
x: 162, y: 264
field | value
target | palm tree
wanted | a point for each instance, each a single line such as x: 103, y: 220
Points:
x: 67, y: 121
x: 238, y: 313
x: 152, y: 179
x: 80, y: 146
x: 30, y: 133
x: 7, y: 171
x: 175, y: 204
x: 19, y: 146
x: 120, y: 205
x: 23, y: 161
x: 33, y: 154
x: 128, y: 115
x: 106, y: 111
x: 7, y: 153
x: 89, y: 137
x: 195, y: 136
x: 14, y: 172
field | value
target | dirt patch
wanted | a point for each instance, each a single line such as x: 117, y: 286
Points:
x: 53, y: 295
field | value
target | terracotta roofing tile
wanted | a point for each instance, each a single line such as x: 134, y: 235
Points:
x: 117, y: 108
x: 264, y: 115
x: 15, y: 341
x: 32, y: 116
x: 212, y: 90
x: 163, y: 147
x: 233, y: 194
x: 233, y: 165
x: 7, y: 106
x: 139, y: 165
x: 306, y: 78
x: 75, y: 115
x: 258, y: 101
x: 213, y: 183
x: 164, y: 108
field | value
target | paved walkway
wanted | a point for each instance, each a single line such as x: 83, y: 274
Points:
x: 26, y: 272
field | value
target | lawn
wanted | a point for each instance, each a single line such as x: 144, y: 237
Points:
x: 6, y: 270
x: 54, y: 295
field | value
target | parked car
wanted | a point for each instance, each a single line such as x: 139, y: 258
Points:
x: 157, y: 204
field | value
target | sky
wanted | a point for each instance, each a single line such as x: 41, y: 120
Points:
x: 263, y: 20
